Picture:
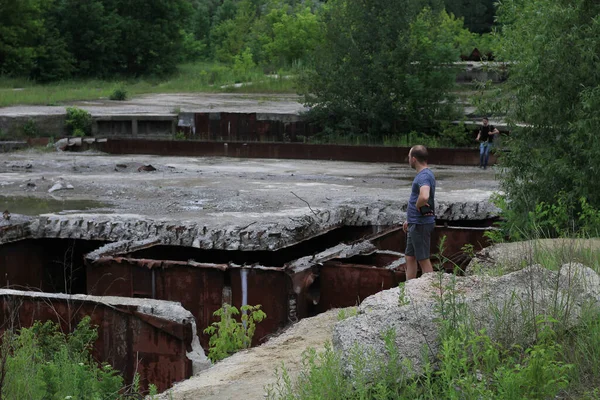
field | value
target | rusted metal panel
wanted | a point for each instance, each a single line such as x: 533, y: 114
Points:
x: 198, y: 287
x: 267, y: 287
x: 346, y: 285
x: 50, y: 265
x: 22, y: 265
x: 127, y: 340
x: 202, y: 126
x: 454, y: 240
x: 377, y: 154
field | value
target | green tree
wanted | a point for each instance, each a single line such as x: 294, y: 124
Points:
x: 383, y: 67
x: 554, y: 98
x: 294, y: 35
x: 478, y: 14
x: 151, y: 34
x: 21, y: 26
x: 230, y: 37
x: 92, y: 35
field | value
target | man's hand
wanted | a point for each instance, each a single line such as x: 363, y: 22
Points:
x: 427, y: 214
x: 405, y: 226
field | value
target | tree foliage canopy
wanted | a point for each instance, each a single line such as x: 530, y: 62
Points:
x: 381, y: 64
x: 554, y: 87
x: 58, y: 39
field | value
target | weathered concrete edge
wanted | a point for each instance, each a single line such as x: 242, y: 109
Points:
x: 255, y: 236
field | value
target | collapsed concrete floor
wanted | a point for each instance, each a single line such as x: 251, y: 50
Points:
x: 299, y: 237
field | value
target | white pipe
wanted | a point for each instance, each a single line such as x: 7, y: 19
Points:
x: 244, y: 277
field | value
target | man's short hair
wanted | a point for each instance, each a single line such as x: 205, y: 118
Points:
x: 486, y: 118
x: 420, y: 153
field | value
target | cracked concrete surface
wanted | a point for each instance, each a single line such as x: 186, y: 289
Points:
x: 223, y: 203
x: 166, y: 103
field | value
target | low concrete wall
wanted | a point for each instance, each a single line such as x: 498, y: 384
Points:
x: 46, y: 125
x: 136, y: 126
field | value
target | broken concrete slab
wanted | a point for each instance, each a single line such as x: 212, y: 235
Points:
x: 413, y: 318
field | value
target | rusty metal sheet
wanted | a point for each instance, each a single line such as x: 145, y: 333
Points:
x: 130, y: 343
x: 345, y: 285
x: 199, y: 290
x: 50, y: 265
x: 269, y: 288
x: 377, y: 154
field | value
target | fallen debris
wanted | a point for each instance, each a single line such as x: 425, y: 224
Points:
x: 147, y: 168
x: 60, y: 186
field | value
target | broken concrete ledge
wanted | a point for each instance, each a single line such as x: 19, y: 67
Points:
x: 256, y: 235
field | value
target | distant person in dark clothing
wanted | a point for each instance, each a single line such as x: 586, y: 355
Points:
x: 485, y: 137
x: 420, y: 215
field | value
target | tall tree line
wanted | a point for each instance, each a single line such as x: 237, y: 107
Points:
x: 60, y: 39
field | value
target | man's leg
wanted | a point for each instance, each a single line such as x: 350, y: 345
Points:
x: 409, y: 253
x: 411, y: 267
x: 426, y: 266
x: 487, y: 156
x: 481, y: 154
x: 422, y: 241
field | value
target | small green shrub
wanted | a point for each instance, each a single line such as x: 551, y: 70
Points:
x: 30, y: 129
x: 119, y: 94
x: 454, y: 135
x: 345, y: 313
x: 44, y: 363
x: 179, y: 136
x: 229, y: 335
x: 403, y: 299
x: 78, y: 122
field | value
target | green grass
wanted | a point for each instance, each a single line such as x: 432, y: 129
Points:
x: 196, y: 77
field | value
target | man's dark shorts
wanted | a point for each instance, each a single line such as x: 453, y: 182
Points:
x: 418, y: 240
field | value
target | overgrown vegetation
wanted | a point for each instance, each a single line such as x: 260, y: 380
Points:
x: 78, y: 122
x: 560, y: 363
x: 119, y: 94
x: 379, y: 70
x: 551, y: 99
x: 43, y: 363
x: 229, y: 335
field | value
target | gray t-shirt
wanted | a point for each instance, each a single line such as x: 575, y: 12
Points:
x: 423, y: 178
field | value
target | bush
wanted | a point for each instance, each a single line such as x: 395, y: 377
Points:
x: 551, y: 97
x: 44, y: 363
x: 228, y: 335
x: 30, y: 129
x: 119, y: 94
x: 78, y: 122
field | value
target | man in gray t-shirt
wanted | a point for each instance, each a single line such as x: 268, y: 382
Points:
x: 420, y: 215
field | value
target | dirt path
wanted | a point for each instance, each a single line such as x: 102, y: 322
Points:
x: 245, y: 375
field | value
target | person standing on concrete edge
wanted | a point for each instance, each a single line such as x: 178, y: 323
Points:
x: 485, y: 137
x: 420, y: 215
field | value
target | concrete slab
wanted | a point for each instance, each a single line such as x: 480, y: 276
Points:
x: 226, y: 203
x: 166, y: 103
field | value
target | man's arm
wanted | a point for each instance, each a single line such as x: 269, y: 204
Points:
x: 495, y: 131
x: 478, y: 136
x: 423, y: 196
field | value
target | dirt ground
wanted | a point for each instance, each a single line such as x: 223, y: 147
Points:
x: 246, y: 374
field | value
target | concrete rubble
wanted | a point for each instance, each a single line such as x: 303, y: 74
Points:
x: 414, y: 318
